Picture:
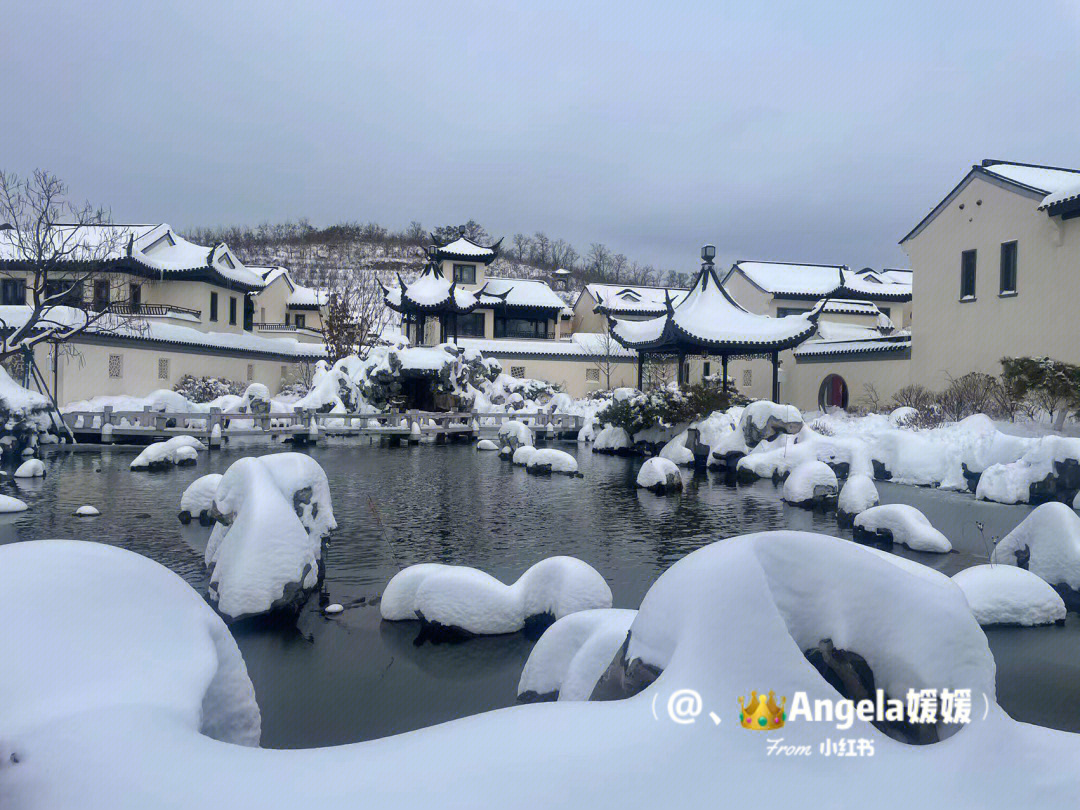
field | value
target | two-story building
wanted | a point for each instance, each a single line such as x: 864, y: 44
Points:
x: 996, y: 271
x: 172, y: 308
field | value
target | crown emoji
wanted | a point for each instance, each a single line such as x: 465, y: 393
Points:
x: 762, y: 715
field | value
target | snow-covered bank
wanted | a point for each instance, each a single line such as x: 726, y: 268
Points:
x: 465, y: 601
x: 732, y: 617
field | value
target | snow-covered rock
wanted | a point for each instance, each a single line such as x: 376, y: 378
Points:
x: 522, y: 455
x: 120, y: 634
x: 462, y: 600
x: 486, y: 444
x: 1047, y: 543
x: 25, y: 416
x: 857, y: 495
x: 31, y: 468
x: 273, y: 515
x: 9, y: 505
x: 899, y: 417
x: 733, y: 616
x: 900, y: 523
x: 811, y: 485
x: 547, y: 461
x: 333, y: 609
x: 162, y: 455
x: 87, y: 511
x: 660, y: 475
x: 572, y: 654
x: 677, y: 452
x: 588, y: 431
x: 515, y: 434
x: 612, y: 439
x: 764, y: 420
x: 198, y: 499
x: 1005, y: 594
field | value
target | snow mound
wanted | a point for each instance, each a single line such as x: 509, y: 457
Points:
x: 903, y: 524
x: 471, y: 602
x: 547, y: 461
x: 515, y: 434
x: 902, y: 415
x: 1047, y: 543
x: 857, y: 495
x: 765, y: 420
x: 486, y: 444
x: 162, y: 455
x: 31, y: 468
x: 9, y: 505
x: 522, y: 455
x: 265, y: 554
x: 120, y: 632
x: 1005, y: 594
x: 677, y: 452
x: 811, y: 484
x: 198, y: 499
x: 612, y: 439
x: 87, y: 511
x: 588, y: 431
x: 660, y: 475
x: 572, y: 654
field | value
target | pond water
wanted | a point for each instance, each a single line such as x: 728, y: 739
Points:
x: 331, y: 680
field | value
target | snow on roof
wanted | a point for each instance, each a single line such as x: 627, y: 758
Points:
x: 306, y: 297
x: 148, y: 330
x: 155, y: 247
x: 843, y: 306
x: 465, y: 248
x: 860, y: 345
x: 781, y: 278
x: 709, y: 318
x: 431, y: 291
x: 622, y: 298
x: 522, y: 292
x: 1047, y: 179
x: 1064, y: 194
x: 877, y: 284
x: 581, y: 344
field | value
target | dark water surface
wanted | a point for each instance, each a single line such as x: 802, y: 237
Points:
x: 331, y: 680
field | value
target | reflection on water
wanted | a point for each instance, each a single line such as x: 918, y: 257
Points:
x: 353, y: 677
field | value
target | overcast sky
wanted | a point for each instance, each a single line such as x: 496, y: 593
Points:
x: 807, y: 131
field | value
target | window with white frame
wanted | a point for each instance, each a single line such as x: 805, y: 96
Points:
x: 517, y: 371
x: 116, y: 366
x: 163, y: 368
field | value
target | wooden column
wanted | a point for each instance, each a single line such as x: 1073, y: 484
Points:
x: 776, y: 376
x: 640, y: 370
x: 724, y: 362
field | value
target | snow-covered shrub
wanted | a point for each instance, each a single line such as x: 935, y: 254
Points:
x: 660, y: 475
x: 466, y: 601
x: 24, y: 419
x: 1005, y: 594
x: 665, y: 407
x: 162, y: 455
x: 902, y: 524
x: 547, y: 461
x: 274, y: 514
x: 206, y: 389
x: 572, y: 654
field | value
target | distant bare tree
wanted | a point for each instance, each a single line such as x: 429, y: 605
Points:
x: 619, y: 265
x: 521, y: 246
x: 607, y: 351
x: 598, y: 259
x: 60, y: 260
x: 355, y: 312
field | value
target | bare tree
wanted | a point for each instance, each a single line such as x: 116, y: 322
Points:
x: 61, y: 251
x: 521, y: 246
x: 355, y: 312
x: 598, y: 260
x: 607, y: 350
x: 618, y: 266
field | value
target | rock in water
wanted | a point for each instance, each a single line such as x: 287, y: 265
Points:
x: 660, y: 475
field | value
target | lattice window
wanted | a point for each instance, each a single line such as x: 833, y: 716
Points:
x: 163, y: 368
x: 116, y: 366
x: 251, y: 372
x: 517, y: 371
x: 592, y: 375
x: 747, y: 377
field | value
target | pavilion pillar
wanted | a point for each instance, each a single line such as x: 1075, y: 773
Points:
x: 776, y: 377
x: 681, y: 358
x: 640, y: 370
x: 723, y: 360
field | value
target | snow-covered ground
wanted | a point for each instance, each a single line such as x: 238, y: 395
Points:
x: 155, y: 710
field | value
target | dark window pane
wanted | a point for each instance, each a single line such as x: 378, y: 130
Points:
x: 213, y: 306
x: 967, y: 274
x: 232, y: 309
x: 1008, y: 267
x: 465, y: 273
